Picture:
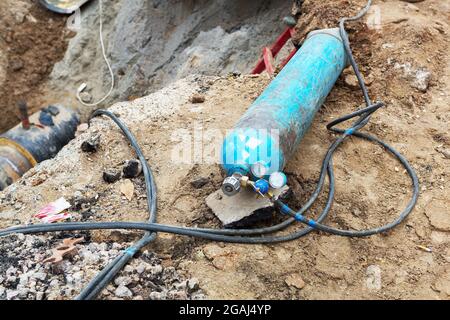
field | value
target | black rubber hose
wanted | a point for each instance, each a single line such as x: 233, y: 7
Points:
x: 156, y: 227
x: 365, y: 115
x: 109, y: 272
x: 364, y: 233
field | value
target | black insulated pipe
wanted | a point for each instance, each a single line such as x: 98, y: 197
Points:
x: 37, y: 138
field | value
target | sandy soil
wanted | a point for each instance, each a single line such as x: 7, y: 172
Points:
x: 32, y: 40
x: 371, y: 187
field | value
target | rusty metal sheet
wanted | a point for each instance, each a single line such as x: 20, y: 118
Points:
x: 63, y: 6
x: 66, y: 248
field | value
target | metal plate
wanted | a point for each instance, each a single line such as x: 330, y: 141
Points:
x: 63, y: 6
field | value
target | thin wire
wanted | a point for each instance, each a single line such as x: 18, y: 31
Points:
x: 111, y: 73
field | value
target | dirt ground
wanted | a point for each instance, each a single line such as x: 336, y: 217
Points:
x: 405, y: 62
x: 32, y: 40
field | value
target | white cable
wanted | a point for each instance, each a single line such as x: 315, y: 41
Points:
x: 84, y: 85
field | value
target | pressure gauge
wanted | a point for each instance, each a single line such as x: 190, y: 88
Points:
x: 277, y: 180
x: 259, y: 170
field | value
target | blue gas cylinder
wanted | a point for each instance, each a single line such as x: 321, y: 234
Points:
x: 270, y: 131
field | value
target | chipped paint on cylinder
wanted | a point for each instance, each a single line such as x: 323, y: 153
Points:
x: 273, y: 126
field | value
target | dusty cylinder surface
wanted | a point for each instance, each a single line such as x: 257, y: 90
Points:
x: 273, y: 126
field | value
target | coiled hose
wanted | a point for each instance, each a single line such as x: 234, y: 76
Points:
x: 248, y: 236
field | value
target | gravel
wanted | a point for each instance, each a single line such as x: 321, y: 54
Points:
x: 24, y: 277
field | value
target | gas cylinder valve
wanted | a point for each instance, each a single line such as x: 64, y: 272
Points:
x: 231, y: 185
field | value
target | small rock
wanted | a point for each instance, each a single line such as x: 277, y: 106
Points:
x: 198, y: 296
x: 54, y: 283
x: 295, y: 280
x: 69, y: 292
x: 444, y: 152
x: 39, y: 275
x: 178, y: 295
x: 128, y: 269
x: 156, y: 296
x: 387, y: 45
x: 37, y: 180
x: 93, y: 247
x: 351, y: 81
x: 86, y: 96
x: 181, y: 285
x: 11, y: 271
x: 23, y: 279
x: 422, y: 80
x: 192, y: 284
x: 212, y: 250
x: 197, y: 98
x: 54, y: 296
x: 155, y: 270
x: 223, y: 263
x: 437, y: 238
x: 123, y: 292
x: 419, y: 78
x: 39, y: 295
x: 31, y: 18
x: 438, y: 213
x: 23, y: 292
x: 78, y: 276
x: 140, y: 268
x: 111, y: 175
x: 83, y: 127
x: 122, y: 281
x: 11, y: 294
x: 117, y: 246
x: 127, y: 189
x: 132, y: 168
x: 78, y: 195
x: 91, y: 145
x: 89, y: 257
x: 16, y: 65
x: 200, y: 182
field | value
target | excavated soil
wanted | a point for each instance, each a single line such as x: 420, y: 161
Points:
x: 32, y: 40
x: 405, y: 63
